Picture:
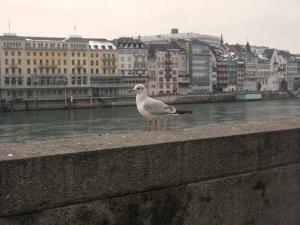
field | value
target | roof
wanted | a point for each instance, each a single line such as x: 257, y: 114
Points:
x: 163, y: 47
x: 72, y: 38
x: 104, y: 45
x: 129, y: 42
x: 268, y: 53
x: 285, y: 54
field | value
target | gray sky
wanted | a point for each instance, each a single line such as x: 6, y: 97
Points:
x: 273, y: 23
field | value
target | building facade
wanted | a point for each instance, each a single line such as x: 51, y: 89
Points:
x: 132, y: 56
x: 199, y: 65
x: 57, y: 68
x: 163, y: 68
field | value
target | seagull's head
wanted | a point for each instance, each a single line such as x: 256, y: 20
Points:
x: 139, y: 89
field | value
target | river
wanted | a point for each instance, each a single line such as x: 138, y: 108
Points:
x: 52, y: 124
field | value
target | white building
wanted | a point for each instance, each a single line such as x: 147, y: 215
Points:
x: 163, y: 38
x: 270, y: 73
x: 132, y: 56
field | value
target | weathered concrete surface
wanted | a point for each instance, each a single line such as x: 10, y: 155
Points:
x: 251, y: 198
x: 45, y: 181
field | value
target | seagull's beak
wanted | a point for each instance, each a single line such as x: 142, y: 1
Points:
x: 132, y: 90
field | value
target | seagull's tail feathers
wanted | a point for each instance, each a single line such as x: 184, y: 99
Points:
x: 181, y: 112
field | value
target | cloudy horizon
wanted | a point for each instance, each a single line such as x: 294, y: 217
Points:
x: 264, y: 23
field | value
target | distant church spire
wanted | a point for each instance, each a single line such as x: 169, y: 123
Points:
x: 222, y: 41
x: 248, y: 47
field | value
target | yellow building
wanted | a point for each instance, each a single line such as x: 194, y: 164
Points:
x: 58, y: 68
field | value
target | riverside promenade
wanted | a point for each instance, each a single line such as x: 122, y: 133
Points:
x: 221, y: 174
x: 93, y: 102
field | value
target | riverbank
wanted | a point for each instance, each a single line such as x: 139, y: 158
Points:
x: 94, y: 102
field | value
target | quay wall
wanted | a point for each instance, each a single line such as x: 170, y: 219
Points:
x: 94, y: 102
x: 222, y: 174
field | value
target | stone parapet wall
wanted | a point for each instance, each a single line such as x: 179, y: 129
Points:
x: 223, y: 174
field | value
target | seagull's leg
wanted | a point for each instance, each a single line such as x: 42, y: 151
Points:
x: 155, y: 125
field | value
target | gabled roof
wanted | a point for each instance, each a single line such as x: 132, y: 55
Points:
x: 268, y: 53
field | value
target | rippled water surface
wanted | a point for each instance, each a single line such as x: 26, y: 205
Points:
x: 51, y: 124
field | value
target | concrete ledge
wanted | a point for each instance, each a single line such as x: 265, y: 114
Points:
x: 46, y: 175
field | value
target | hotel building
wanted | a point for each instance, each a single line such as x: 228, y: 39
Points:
x: 58, y: 68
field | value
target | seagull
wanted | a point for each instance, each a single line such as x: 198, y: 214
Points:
x: 153, y: 109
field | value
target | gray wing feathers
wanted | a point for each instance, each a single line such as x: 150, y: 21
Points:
x: 157, y: 107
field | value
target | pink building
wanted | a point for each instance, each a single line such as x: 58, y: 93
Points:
x: 163, y: 68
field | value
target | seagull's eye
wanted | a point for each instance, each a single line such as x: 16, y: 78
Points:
x: 138, y: 88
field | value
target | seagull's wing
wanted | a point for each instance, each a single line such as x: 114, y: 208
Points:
x: 156, y: 107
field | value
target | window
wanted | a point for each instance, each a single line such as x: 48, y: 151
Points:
x: 19, y: 61
x: 41, y: 54
x: 7, y: 81
x: 28, y: 71
x: 28, y: 80
x: 13, y: 81
x: 6, y: 53
x: 6, y: 61
x: 20, y: 81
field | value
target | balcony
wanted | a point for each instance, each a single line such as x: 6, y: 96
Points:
x: 47, y: 65
x: 13, y: 66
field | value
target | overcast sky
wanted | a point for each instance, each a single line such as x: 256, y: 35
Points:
x: 273, y: 23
